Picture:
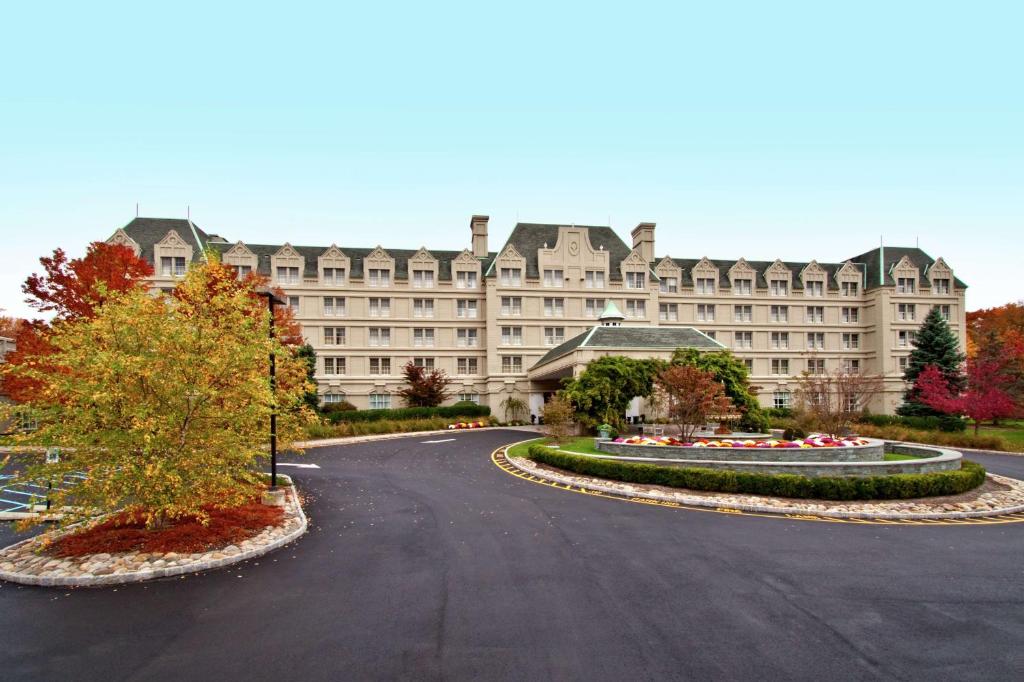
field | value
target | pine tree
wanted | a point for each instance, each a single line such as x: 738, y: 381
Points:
x: 936, y: 344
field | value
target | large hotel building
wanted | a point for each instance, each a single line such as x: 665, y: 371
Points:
x: 515, y: 321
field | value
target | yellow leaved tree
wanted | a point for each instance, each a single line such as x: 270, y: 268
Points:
x: 162, y: 401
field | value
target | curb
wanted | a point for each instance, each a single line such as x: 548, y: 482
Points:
x: 696, y: 501
x: 140, y: 576
x: 355, y: 440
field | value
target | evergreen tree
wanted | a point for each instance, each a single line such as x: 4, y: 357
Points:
x: 306, y: 353
x: 936, y: 344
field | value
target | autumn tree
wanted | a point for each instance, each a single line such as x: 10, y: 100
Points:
x: 423, y: 387
x: 163, y: 401
x: 559, y: 416
x: 691, y: 397
x: 11, y: 326
x: 935, y: 344
x: 985, y: 398
x: 735, y: 379
x: 832, y: 402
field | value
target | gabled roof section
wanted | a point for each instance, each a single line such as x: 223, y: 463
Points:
x: 633, y: 339
x: 873, y: 262
x: 527, y: 238
x: 758, y: 266
x: 149, y: 231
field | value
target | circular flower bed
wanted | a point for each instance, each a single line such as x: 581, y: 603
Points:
x: 467, y: 425
x: 812, y: 441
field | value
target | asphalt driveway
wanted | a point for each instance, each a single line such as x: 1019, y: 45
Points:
x: 425, y: 561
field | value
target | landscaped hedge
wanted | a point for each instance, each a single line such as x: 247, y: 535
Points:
x: 894, y: 487
x: 403, y: 413
x: 946, y: 423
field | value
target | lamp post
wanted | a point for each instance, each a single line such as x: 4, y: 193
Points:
x: 272, y: 298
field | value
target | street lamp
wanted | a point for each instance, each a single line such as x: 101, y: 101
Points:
x: 272, y: 298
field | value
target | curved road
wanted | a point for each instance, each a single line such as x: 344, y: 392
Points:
x: 425, y: 561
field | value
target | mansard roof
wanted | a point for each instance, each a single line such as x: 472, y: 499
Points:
x: 149, y: 231
x: 877, y: 269
x: 527, y: 238
x: 634, y: 338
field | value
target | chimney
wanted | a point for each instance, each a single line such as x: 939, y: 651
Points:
x: 643, y: 239
x: 478, y: 225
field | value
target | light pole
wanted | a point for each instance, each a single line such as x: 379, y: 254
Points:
x: 272, y: 298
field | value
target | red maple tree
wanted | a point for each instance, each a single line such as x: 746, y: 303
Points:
x: 986, y: 396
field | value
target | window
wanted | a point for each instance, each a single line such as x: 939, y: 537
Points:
x: 469, y: 398
x: 380, y: 401
x: 743, y: 339
x: 944, y: 310
x: 816, y: 366
x: 332, y: 398
x: 742, y: 287
x: 422, y: 307
x: 242, y: 271
x: 466, y: 366
x: 850, y: 315
x: 814, y: 288
x: 293, y: 303
x: 905, y: 339
x: 334, y: 276
x: 380, y: 307
x: 466, y: 308
x: 669, y: 285
x: 705, y: 285
x: 380, y: 278
x: 511, y: 305
x: 553, y: 278
x: 940, y: 286
x: 425, y: 363
x: 743, y: 313
x: 779, y: 313
x: 465, y: 280
x: 554, y: 335
x: 595, y: 279
x: 636, y: 308
x: 705, y: 312
x: 466, y: 338
x: 334, y: 306
x: 815, y: 314
x: 669, y: 312
x: 511, y: 336
x: 421, y: 337
x: 851, y: 403
x: 849, y: 288
x: 334, y: 366
x: 851, y: 341
x: 905, y: 285
x: 781, y: 399
x: 709, y: 334
x: 172, y: 266
x: 780, y: 366
x: 380, y: 366
x: 780, y: 340
x: 511, y: 363
x: 851, y: 366
x: 903, y: 361
x: 380, y: 336
x: 749, y: 364
x: 511, y: 277
x: 554, y: 307
x: 422, y: 279
x: 287, y: 275
x: 779, y: 287
x: 593, y: 307
x: 636, y: 280
x: 334, y: 336
x: 906, y: 312
x: 816, y: 341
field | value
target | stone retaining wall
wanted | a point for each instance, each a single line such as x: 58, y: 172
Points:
x: 873, y: 452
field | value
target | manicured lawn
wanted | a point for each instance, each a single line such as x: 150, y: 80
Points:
x: 892, y: 457
x: 1010, y: 431
x: 584, y: 445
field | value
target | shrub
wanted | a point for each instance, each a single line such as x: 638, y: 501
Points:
x: 947, y: 423
x: 794, y: 433
x: 894, y: 487
x: 380, y: 426
x: 943, y: 438
x: 447, y: 411
x: 779, y: 412
x: 343, y: 406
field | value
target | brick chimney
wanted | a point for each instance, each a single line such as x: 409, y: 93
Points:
x: 643, y: 239
x: 478, y: 225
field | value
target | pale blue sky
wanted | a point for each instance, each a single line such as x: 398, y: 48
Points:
x: 797, y: 130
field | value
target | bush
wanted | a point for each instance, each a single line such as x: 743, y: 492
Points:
x: 779, y: 412
x: 943, y: 438
x: 894, y: 487
x: 368, y: 428
x: 794, y: 433
x: 754, y: 420
x: 343, y: 406
x: 948, y: 423
x: 464, y: 409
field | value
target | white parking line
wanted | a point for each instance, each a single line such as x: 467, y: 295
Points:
x: 300, y: 466
x: 443, y: 440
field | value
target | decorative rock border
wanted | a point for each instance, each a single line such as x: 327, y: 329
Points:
x: 20, y: 564
x: 987, y: 504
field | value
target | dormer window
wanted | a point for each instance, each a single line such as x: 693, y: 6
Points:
x: 242, y: 271
x: 595, y: 279
x: 669, y: 285
x: 287, y: 275
x: 422, y: 279
x: 465, y: 280
x: 636, y: 280
x: 906, y: 285
x: 172, y: 266
x: 705, y: 285
x: 940, y: 286
x: 779, y: 287
x: 849, y: 288
x: 511, y: 277
x: 553, y: 278
x: 334, y: 276
x: 379, y: 277
x: 742, y: 287
x: 814, y: 288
